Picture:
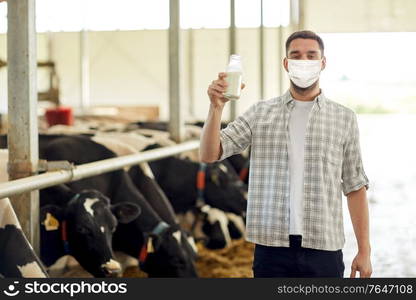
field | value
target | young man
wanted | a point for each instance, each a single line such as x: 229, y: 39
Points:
x: 305, y: 152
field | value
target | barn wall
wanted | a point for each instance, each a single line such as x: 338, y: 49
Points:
x: 131, y: 67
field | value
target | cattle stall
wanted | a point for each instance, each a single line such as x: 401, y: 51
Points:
x: 28, y: 174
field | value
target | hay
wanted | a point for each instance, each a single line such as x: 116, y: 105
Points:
x: 134, y: 272
x: 232, y: 262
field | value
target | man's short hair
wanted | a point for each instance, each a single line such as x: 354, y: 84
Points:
x: 305, y: 34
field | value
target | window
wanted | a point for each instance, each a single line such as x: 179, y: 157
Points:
x: 74, y: 15
x: 205, y: 14
x: 365, y: 71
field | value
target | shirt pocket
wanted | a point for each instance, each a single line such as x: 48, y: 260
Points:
x: 331, y: 164
x: 332, y: 157
x: 331, y: 149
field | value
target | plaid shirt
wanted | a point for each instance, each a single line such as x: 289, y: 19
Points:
x: 332, y: 165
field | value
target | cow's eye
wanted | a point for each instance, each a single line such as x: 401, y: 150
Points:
x: 83, y: 230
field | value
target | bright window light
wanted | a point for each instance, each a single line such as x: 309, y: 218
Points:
x: 3, y: 17
x: 205, y: 14
x: 276, y: 13
x: 366, y: 71
x: 97, y: 15
x: 247, y: 13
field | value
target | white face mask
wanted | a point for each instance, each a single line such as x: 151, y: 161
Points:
x: 304, y: 72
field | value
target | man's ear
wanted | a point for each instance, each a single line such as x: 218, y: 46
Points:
x: 125, y: 212
x: 285, y: 64
x: 323, y: 63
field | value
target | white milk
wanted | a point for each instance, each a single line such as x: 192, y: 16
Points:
x: 234, y: 80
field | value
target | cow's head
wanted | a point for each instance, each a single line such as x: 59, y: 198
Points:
x: 170, y: 254
x: 213, y: 226
x: 224, y: 189
x: 86, y: 225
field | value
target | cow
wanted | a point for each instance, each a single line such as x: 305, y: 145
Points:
x: 215, y: 222
x: 143, y: 178
x: 177, y: 177
x: 158, y: 245
x: 238, y: 161
x: 82, y: 225
x: 241, y: 165
x: 218, y: 227
x: 85, y: 219
x: 17, y: 258
x: 223, y: 193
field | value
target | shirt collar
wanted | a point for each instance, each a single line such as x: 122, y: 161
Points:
x: 288, y: 99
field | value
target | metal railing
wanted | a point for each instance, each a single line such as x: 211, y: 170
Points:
x: 48, y: 179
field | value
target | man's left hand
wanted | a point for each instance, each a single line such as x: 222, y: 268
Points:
x: 362, y: 264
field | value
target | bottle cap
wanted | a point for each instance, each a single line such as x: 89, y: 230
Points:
x: 234, y: 64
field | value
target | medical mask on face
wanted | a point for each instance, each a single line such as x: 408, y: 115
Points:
x: 303, y: 72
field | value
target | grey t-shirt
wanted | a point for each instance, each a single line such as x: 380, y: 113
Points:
x: 298, y: 121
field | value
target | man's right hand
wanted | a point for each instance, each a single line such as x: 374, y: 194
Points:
x: 216, y: 90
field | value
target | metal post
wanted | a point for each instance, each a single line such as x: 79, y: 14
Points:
x: 261, y: 50
x: 295, y: 18
x: 22, y: 110
x: 191, y: 73
x: 176, y: 121
x: 84, y: 69
x: 301, y: 8
x: 233, y: 48
x: 281, y: 55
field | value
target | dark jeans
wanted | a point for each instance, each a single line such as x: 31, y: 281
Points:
x: 296, y: 261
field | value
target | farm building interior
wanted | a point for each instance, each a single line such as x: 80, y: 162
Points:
x: 102, y: 105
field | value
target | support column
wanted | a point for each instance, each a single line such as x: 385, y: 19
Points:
x: 85, y: 69
x: 176, y: 120
x: 191, y: 71
x: 22, y: 110
x: 281, y: 56
x: 232, y: 49
x: 261, y: 50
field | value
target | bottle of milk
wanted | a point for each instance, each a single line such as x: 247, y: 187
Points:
x: 234, y: 77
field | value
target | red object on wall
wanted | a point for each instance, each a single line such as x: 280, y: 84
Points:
x: 59, y: 115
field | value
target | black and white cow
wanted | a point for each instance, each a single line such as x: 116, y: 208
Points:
x: 149, y: 237
x: 241, y: 165
x: 215, y: 220
x: 17, y: 258
x: 224, y: 196
x: 143, y: 178
x: 82, y: 225
x: 223, y: 188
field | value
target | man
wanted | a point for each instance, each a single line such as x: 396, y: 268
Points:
x: 305, y: 152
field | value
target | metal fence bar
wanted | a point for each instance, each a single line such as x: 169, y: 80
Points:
x: 48, y: 179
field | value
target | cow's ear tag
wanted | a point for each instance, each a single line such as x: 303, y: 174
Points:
x: 50, y: 223
x: 214, y: 178
x: 150, y: 248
